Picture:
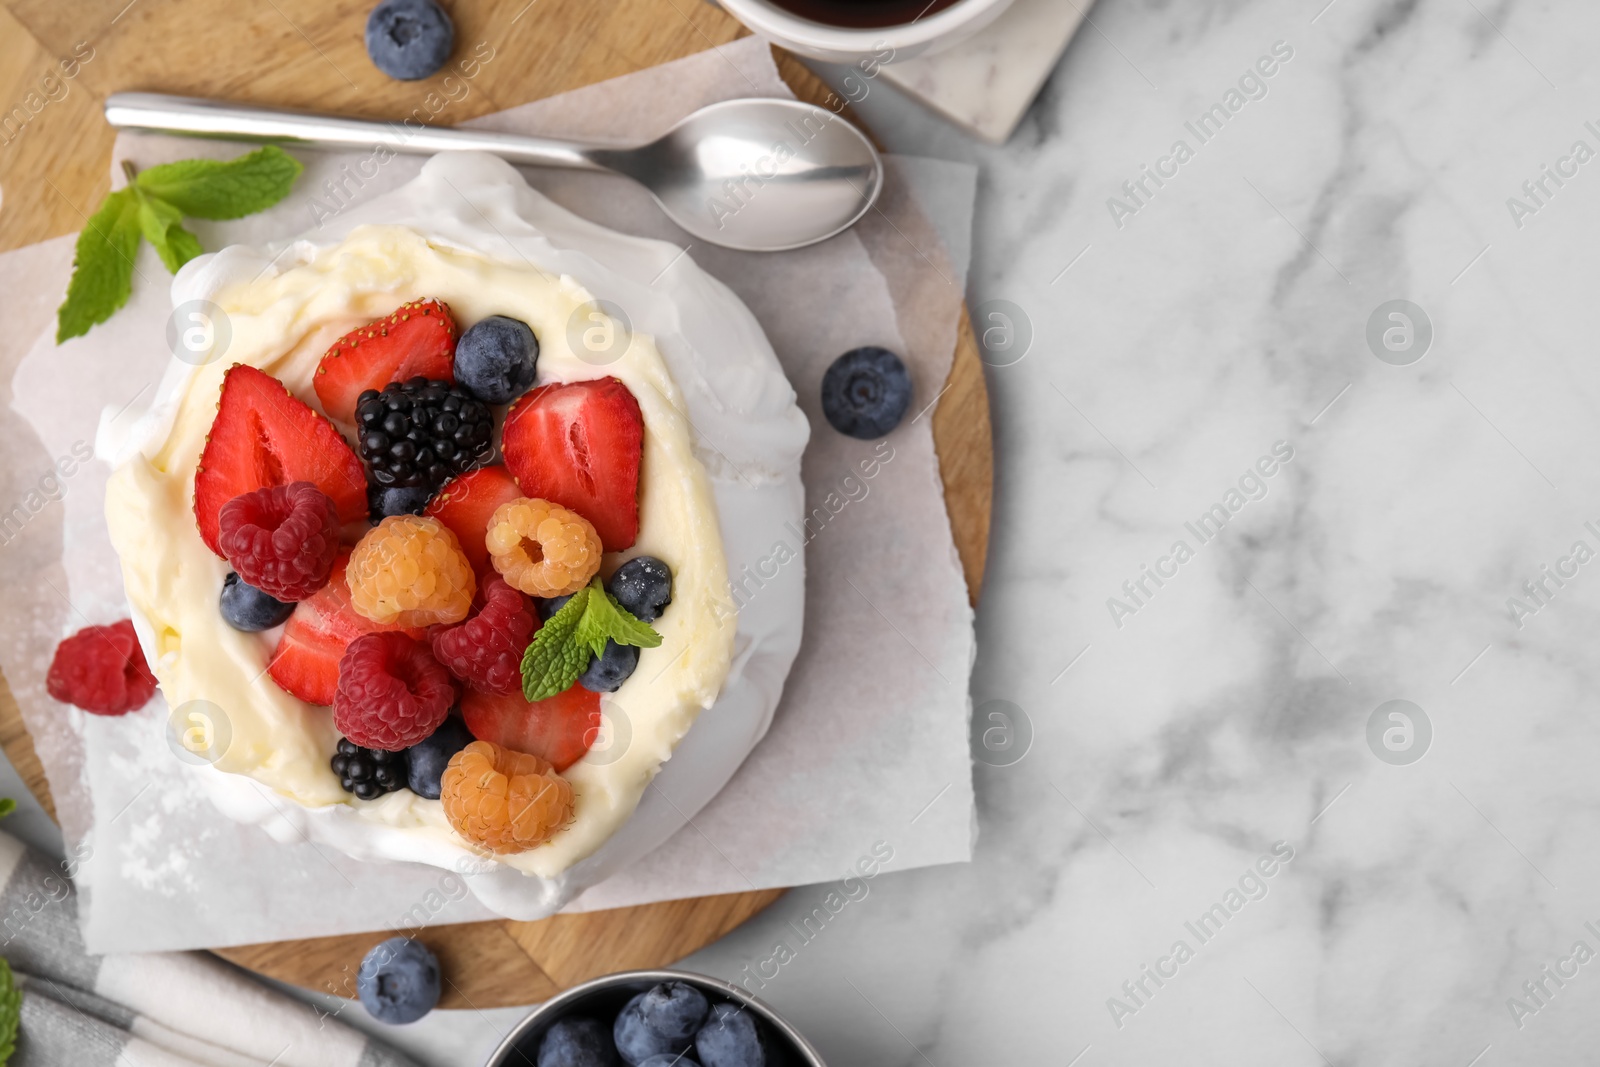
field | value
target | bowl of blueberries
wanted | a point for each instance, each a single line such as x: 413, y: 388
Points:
x: 654, y: 1019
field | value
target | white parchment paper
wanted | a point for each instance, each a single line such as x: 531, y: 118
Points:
x: 870, y: 743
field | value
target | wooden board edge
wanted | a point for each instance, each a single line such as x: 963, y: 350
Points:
x: 18, y: 746
x: 481, y: 963
x: 578, y: 946
x: 963, y: 435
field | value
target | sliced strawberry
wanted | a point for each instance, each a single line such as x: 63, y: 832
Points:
x: 465, y: 504
x: 264, y: 437
x: 578, y: 444
x: 419, y: 339
x: 306, y: 661
x: 560, y: 729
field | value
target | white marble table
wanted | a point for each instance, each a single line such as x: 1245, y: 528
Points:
x: 1230, y: 710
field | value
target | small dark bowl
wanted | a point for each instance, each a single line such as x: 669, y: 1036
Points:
x: 604, y: 997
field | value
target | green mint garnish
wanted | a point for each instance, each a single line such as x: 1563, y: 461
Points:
x: 102, y: 266
x: 223, y: 189
x: 152, y: 206
x: 162, y: 226
x: 605, y: 620
x: 10, y: 1012
x: 554, y: 660
x: 562, y: 648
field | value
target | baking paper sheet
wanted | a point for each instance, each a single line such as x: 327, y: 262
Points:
x: 870, y: 743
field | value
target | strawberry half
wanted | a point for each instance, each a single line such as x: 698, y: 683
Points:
x: 264, y: 437
x: 578, y: 444
x: 306, y: 661
x: 560, y: 729
x: 418, y: 339
x: 465, y: 505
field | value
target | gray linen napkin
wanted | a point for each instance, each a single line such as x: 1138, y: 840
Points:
x: 160, y: 1009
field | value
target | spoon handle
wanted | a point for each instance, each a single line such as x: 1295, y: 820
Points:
x: 195, y: 117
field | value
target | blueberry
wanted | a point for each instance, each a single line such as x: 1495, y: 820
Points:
x: 866, y: 392
x: 244, y: 607
x: 398, y: 981
x: 663, y: 1019
x: 667, y: 1059
x: 607, y: 672
x: 495, y: 359
x: 383, y: 502
x: 643, y: 585
x: 577, y: 1042
x: 427, y: 759
x: 547, y: 607
x: 409, y: 39
x: 731, y: 1037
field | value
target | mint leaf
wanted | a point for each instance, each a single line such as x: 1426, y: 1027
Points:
x: 10, y: 1012
x: 7, y: 806
x: 162, y: 226
x: 554, y: 660
x: 218, y: 189
x: 562, y: 648
x: 606, y: 620
x: 152, y: 206
x: 102, y: 266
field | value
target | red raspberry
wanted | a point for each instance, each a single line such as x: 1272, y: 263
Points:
x: 102, y: 670
x: 486, y: 650
x: 281, y: 539
x: 392, y: 692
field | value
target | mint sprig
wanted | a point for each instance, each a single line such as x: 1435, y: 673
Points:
x: 605, y: 620
x: 562, y: 648
x: 554, y: 659
x: 152, y: 206
x: 102, y: 266
x: 223, y: 188
x: 162, y: 226
x: 10, y: 1012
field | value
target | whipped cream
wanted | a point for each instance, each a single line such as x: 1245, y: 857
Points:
x: 720, y: 478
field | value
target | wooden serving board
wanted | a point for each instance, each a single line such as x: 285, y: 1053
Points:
x: 54, y: 168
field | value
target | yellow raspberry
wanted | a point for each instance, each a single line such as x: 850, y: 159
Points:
x: 504, y: 800
x: 410, y: 571
x: 542, y: 548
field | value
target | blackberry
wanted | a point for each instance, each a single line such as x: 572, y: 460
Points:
x: 422, y: 433
x: 368, y: 772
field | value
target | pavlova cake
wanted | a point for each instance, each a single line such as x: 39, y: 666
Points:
x: 446, y: 535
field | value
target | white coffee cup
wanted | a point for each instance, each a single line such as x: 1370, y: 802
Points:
x: 842, y: 44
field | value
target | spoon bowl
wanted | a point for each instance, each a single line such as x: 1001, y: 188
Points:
x: 755, y: 174
x: 758, y: 175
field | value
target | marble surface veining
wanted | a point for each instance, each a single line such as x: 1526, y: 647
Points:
x: 1432, y: 539
x: 1212, y: 760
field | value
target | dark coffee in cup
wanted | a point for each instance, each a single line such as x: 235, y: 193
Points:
x: 864, y: 14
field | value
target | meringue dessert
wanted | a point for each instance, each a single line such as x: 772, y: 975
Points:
x: 447, y: 534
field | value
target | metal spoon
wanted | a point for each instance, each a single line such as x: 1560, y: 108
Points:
x: 756, y: 174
